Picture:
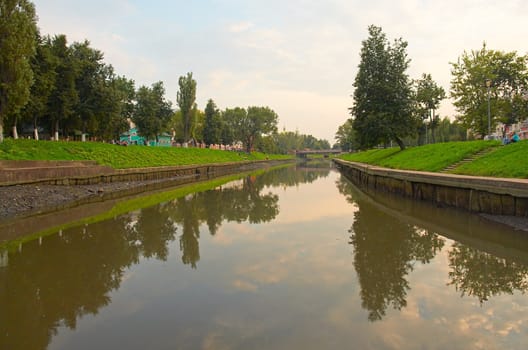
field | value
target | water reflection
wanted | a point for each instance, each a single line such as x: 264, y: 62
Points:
x: 389, y: 237
x: 270, y: 281
x: 52, y: 282
x: 482, y: 275
x: 385, y: 251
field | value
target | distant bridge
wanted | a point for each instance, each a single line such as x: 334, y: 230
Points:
x: 324, y: 152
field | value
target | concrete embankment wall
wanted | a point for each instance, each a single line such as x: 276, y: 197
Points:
x: 496, y: 196
x: 87, y: 172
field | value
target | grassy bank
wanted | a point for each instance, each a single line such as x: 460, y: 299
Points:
x: 120, y: 156
x: 502, y: 161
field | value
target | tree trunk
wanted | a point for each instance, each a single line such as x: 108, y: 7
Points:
x: 399, y: 142
x: 433, y: 126
x: 15, y: 131
x: 56, y: 137
x: 35, y: 129
x: 3, y: 101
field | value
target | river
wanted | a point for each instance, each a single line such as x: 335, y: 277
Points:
x: 290, y: 258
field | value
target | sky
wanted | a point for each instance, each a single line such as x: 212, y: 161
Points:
x: 298, y: 57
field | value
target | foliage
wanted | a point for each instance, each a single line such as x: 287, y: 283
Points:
x: 119, y: 156
x: 450, y: 131
x: 44, y: 65
x: 507, y: 76
x: 346, y: 136
x: 186, y: 98
x: 212, y: 125
x: 382, y: 110
x: 250, y: 125
x: 64, y: 96
x: 257, y: 121
x: 152, y: 111
x: 428, y: 97
x: 431, y: 157
x: 289, y: 141
x: 18, y: 31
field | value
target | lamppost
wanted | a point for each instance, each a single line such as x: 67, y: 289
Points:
x: 488, y: 85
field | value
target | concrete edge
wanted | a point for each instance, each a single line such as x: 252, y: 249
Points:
x: 133, y: 174
x: 513, y: 187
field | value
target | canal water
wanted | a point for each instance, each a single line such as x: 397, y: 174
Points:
x: 291, y: 258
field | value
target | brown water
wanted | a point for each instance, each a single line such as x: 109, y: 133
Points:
x: 294, y: 258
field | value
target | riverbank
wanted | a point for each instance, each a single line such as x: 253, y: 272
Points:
x: 49, y: 194
x: 501, y: 200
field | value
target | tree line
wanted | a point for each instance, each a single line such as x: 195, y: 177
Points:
x: 67, y: 90
x: 487, y: 87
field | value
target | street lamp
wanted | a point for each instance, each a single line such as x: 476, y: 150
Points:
x: 488, y: 85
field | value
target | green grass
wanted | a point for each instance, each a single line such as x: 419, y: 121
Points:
x: 505, y: 161
x: 120, y: 157
x: 432, y: 157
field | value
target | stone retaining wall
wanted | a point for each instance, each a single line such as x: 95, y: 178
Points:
x: 88, y: 173
x: 496, y: 196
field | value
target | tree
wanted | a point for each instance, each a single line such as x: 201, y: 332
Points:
x: 428, y: 98
x: 91, y: 82
x: 44, y: 65
x: 18, y: 33
x: 451, y: 131
x: 186, y: 98
x: 507, y: 75
x: 249, y: 125
x: 232, y: 120
x: 346, y: 136
x: 63, y: 99
x: 121, y: 94
x: 152, y: 111
x: 212, y: 127
x: 382, y: 110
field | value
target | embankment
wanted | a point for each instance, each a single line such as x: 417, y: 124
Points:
x: 494, y: 196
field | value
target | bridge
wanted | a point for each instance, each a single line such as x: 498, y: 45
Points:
x: 324, y: 152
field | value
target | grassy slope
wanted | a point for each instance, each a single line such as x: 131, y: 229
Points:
x: 120, y: 156
x: 432, y: 157
x: 504, y: 161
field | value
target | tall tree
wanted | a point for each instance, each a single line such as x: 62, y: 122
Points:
x: 186, y: 98
x: 122, y: 94
x: 91, y: 85
x: 18, y: 33
x: 506, y: 74
x: 212, y: 128
x: 63, y: 99
x: 428, y: 98
x: 44, y: 65
x: 382, y: 109
x: 152, y: 111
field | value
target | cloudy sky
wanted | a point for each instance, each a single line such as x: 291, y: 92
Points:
x: 299, y: 57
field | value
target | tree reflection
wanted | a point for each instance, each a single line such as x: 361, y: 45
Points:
x: 44, y: 287
x: 69, y: 275
x: 385, y: 251
x: 482, y: 275
x: 153, y: 231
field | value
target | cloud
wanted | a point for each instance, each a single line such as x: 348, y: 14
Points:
x: 298, y: 57
x: 240, y: 27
